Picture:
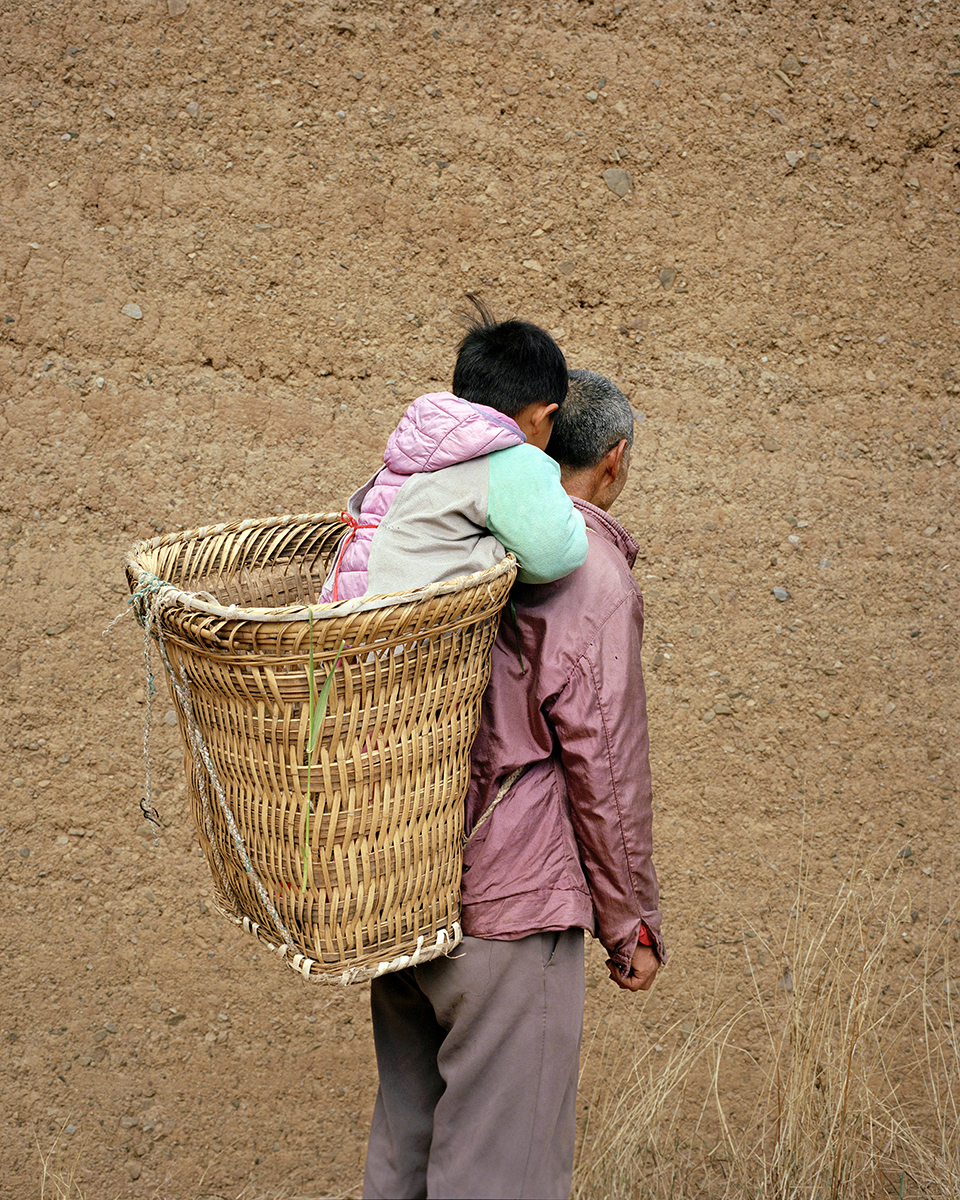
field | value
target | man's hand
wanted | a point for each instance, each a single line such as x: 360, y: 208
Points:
x: 643, y: 969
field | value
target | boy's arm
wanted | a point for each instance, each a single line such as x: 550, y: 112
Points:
x: 531, y: 514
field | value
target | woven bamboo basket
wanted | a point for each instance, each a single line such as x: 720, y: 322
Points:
x: 378, y: 803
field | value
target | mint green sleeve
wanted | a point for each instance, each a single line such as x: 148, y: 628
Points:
x: 531, y: 514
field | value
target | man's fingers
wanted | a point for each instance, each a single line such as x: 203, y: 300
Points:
x: 641, y: 973
x: 628, y: 982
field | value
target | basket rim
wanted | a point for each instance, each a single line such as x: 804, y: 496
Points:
x: 167, y: 594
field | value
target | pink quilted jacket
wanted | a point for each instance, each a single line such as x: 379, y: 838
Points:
x: 438, y: 430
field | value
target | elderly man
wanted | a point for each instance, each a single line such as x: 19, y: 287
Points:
x: 478, y: 1053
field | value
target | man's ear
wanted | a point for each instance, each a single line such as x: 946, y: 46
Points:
x: 613, y: 460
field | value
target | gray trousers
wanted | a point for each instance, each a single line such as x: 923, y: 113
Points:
x: 478, y: 1056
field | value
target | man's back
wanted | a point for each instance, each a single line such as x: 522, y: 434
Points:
x: 570, y: 843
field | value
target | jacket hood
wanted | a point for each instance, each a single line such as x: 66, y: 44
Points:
x: 439, y: 430
x: 613, y: 531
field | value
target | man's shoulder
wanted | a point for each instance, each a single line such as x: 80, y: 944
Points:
x: 610, y: 556
x: 586, y: 598
x: 606, y: 575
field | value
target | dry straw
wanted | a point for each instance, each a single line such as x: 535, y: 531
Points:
x: 327, y: 746
x: 846, y: 1042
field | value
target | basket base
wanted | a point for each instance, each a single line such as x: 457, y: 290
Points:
x: 317, y: 972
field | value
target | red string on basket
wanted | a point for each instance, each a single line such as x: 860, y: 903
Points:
x: 354, y: 524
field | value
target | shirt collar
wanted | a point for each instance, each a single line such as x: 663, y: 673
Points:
x: 602, y: 523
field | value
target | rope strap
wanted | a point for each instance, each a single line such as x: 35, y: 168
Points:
x: 505, y: 787
x: 201, y: 756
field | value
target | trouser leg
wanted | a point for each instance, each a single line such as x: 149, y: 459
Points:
x: 407, y: 1039
x: 506, y: 1122
x: 478, y: 1056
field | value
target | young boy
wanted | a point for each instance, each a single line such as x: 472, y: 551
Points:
x: 466, y: 478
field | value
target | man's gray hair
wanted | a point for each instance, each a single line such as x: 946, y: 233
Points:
x: 594, y: 417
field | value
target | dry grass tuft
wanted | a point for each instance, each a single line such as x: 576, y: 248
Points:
x: 58, y: 1178
x: 849, y: 1052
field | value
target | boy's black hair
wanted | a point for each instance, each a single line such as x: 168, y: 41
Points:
x: 508, y: 365
x: 596, y: 417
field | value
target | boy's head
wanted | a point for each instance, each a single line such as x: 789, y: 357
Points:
x: 509, y: 365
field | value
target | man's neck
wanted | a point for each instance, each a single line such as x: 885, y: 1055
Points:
x: 583, y: 485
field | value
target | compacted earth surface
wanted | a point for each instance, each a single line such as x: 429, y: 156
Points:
x: 235, y: 243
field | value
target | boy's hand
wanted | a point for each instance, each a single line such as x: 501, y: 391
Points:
x: 643, y: 969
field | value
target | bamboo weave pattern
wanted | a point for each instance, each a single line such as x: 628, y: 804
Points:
x: 232, y: 609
